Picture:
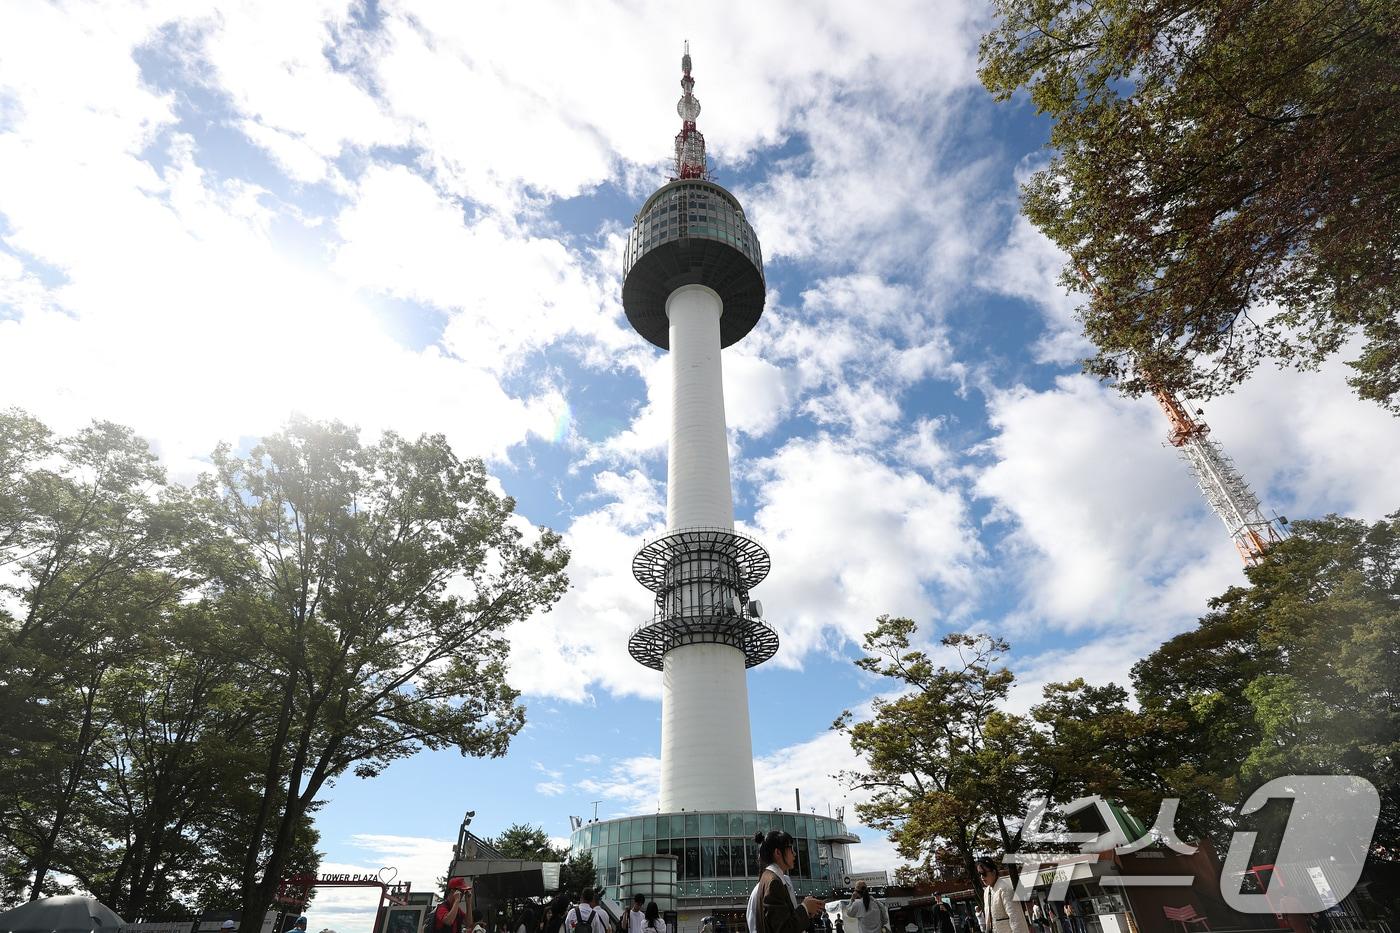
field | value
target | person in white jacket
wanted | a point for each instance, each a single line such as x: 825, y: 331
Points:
x: 999, y: 904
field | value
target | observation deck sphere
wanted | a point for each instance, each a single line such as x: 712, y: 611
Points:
x: 692, y: 232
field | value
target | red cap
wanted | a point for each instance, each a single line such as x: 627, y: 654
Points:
x: 459, y: 883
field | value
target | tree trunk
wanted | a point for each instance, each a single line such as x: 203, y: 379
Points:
x: 43, y: 859
x: 271, y: 778
x: 969, y: 864
x: 1007, y: 847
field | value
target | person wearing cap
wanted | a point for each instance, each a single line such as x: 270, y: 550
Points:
x: 451, y: 915
x: 300, y: 925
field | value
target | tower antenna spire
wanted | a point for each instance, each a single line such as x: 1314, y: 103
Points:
x: 690, y: 142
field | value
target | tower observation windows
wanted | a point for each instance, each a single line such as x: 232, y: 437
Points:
x: 691, y: 210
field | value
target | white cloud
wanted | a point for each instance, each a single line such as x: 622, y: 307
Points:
x: 882, y: 191
x: 583, y: 640
x: 177, y: 307
x: 853, y: 537
x: 633, y: 784
x: 505, y: 294
x: 419, y: 860
x: 1028, y: 267
x: 812, y: 766
x: 1097, y: 505
x: 550, y: 788
x: 272, y: 62
x: 1106, y: 530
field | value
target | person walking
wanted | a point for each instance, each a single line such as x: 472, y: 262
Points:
x: 943, y: 918
x: 1073, y: 922
x: 773, y: 905
x: 1002, y: 911
x: 554, y: 913
x: 651, y: 921
x: 869, y: 914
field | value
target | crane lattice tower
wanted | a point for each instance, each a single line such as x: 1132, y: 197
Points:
x: 1224, y: 488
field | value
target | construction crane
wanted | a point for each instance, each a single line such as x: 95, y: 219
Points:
x: 1226, y: 492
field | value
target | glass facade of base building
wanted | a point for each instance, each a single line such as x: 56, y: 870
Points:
x: 716, y: 857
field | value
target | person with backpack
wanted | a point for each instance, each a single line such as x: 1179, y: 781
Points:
x: 585, y: 917
x: 451, y: 915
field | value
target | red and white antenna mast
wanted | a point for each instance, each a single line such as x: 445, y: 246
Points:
x: 690, y: 142
x: 1226, y: 492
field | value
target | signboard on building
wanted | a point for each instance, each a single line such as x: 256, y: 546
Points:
x: 878, y: 878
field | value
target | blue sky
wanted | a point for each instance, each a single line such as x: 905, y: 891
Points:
x: 411, y: 217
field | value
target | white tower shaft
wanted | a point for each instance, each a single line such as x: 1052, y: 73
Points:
x: 698, y: 493
x: 706, y: 744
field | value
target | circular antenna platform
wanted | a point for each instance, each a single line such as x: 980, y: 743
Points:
x: 649, y: 643
x: 749, y: 558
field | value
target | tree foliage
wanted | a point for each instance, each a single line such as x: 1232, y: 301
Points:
x: 919, y: 747
x: 951, y: 772
x: 1224, y: 181
x: 381, y: 580
x: 1298, y: 673
x: 182, y: 670
x: 532, y: 843
x: 579, y: 873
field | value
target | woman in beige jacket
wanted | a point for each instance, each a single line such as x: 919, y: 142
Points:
x: 999, y: 905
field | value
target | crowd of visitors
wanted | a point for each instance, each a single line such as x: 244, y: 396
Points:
x: 773, y: 907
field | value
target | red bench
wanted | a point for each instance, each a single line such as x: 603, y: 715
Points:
x: 1185, y: 915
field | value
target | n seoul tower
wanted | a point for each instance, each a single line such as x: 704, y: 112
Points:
x: 693, y: 284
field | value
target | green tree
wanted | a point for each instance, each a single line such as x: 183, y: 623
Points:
x: 126, y: 714
x: 383, y: 579
x: 578, y: 873
x: 1295, y: 674
x: 85, y: 540
x: 921, y: 748
x: 952, y: 772
x: 532, y: 843
x: 1224, y: 180
x: 178, y: 773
